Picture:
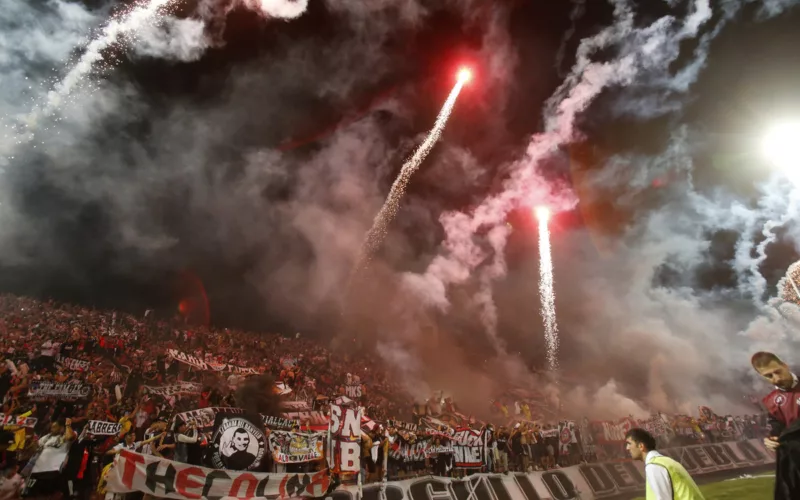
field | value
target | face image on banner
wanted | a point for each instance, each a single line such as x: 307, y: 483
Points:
x: 237, y: 444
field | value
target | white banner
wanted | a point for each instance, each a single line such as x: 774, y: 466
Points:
x: 210, y: 366
x: 100, y: 428
x: 167, y: 479
x: 58, y: 390
x: 599, y: 481
x: 344, y: 448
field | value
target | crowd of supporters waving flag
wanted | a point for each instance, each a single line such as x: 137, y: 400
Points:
x: 91, y: 397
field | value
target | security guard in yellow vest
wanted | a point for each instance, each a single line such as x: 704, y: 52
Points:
x: 666, y: 478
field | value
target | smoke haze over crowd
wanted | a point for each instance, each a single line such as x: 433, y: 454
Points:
x: 252, y: 143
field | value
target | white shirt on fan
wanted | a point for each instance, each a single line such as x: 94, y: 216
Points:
x: 54, y: 451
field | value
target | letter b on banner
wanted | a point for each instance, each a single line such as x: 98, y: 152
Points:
x: 350, y: 453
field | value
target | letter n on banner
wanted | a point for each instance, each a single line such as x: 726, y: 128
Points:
x: 344, y: 444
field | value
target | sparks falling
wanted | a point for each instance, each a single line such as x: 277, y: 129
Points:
x: 547, y: 294
x: 127, y: 23
x: 120, y: 30
x: 380, y: 225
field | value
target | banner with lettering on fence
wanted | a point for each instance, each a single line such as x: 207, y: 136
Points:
x: 566, y: 435
x: 595, y: 481
x: 418, y: 450
x: 163, y: 478
x: 58, y: 390
x: 344, y: 447
x: 296, y: 447
x: 469, y: 448
x: 209, y: 365
x: 610, y: 432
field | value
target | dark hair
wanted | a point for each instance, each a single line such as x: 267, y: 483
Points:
x: 763, y: 358
x: 641, y: 436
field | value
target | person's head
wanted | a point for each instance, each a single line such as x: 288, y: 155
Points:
x: 56, y: 428
x: 772, y: 368
x: 241, y: 439
x: 130, y: 438
x: 638, y: 442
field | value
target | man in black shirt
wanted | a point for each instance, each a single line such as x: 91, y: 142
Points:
x: 501, y: 461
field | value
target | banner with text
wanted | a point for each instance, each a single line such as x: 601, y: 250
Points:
x: 417, y: 451
x: 74, y: 364
x: 100, y: 428
x: 17, y: 421
x: 344, y: 447
x: 597, y: 481
x: 208, y: 365
x: 296, y: 447
x: 57, y: 390
x: 469, y: 448
x: 204, y: 418
x: 163, y: 478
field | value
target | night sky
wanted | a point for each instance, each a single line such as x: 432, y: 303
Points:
x: 248, y: 159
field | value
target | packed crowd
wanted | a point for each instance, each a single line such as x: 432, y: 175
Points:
x: 63, y: 367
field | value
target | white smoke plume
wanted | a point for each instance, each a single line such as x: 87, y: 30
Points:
x: 281, y: 9
x: 172, y: 39
x: 660, y: 319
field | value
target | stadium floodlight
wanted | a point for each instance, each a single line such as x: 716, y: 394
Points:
x: 781, y: 147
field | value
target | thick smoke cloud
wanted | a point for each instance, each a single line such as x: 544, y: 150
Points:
x: 297, y: 218
x: 620, y: 304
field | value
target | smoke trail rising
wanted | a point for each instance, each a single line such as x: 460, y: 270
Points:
x: 126, y: 23
x: 138, y: 28
x: 380, y: 225
x: 643, y: 51
x: 547, y: 294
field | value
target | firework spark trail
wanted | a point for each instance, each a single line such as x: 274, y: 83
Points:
x: 389, y: 210
x: 547, y: 294
x: 127, y: 23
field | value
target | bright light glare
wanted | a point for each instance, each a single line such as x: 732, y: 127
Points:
x: 781, y: 146
x: 464, y: 75
x: 542, y: 213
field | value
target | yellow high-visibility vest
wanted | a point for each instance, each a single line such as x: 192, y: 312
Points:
x: 683, y: 486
